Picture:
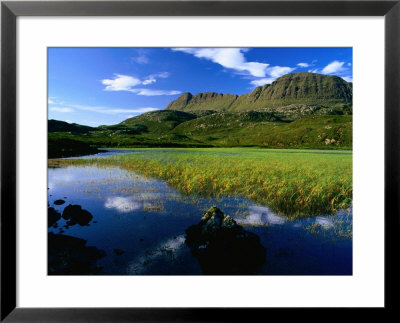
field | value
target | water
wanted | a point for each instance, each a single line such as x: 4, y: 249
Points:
x: 107, y: 153
x: 140, y: 225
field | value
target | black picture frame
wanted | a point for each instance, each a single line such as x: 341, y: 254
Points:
x: 10, y: 10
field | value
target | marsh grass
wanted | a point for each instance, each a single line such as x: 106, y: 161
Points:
x: 296, y: 183
x: 340, y: 229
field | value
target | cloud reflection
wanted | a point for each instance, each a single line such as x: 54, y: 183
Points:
x: 260, y: 216
x: 168, y: 249
x: 122, y: 204
x: 324, y: 222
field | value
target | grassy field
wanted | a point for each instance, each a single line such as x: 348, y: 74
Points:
x: 292, y: 182
x: 166, y: 128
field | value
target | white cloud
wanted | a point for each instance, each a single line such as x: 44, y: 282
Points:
x: 232, y: 58
x: 120, y: 83
x: 347, y: 78
x: 316, y: 70
x: 61, y: 109
x: 127, y: 83
x: 261, y: 82
x: 64, y: 108
x: 53, y: 100
x: 149, y: 81
x: 278, y: 71
x: 340, y: 69
x: 304, y: 65
x: 140, y: 59
x: 152, y: 78
x: 149, y: 92
x: 163, y: 75
x: 273, y: 72
x: 334, y: 67
x: 107, y: 110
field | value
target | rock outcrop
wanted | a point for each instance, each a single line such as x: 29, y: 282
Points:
x: 69, y: 255
x: 76, y: 215
x: 52, y: 216
x: 223, y: 247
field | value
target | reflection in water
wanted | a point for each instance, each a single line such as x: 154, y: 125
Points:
x: 147, y: 219
x: 52, y: 216
x: 122, y: 204
x: 324, y: 222
x: 223, y: 247
x: 169, y: 250
x: 74, y: 214
x: 70, y: 256
x: 260, y: 216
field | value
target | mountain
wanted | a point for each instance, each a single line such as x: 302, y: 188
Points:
x: 303, y: 110
x: 202, y: 101
x: 290, y: 89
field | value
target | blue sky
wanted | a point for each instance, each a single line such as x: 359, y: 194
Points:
x: 103, y: 86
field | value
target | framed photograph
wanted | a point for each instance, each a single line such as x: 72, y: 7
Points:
x: 205, y: 159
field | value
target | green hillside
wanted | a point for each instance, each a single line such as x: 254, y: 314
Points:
x: 62, y: 126
x: 223, y: 129
x: 238, y: 129
x: 158, y: 122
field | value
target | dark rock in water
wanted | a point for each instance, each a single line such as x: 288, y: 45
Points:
x: 76, y: 215
x: 70, y: 256
x: 52, y: 216
x: 59, y: 202
x: 223, y: 247
x: 118, y: 252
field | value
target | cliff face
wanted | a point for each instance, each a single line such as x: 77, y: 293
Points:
x: 202, y: 101
x: 294, y: 88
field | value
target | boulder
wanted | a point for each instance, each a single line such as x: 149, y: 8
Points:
x: 76, y: 215
x: 223, y: 247
x: 59, y: 202
x: 69, y: 255
x: 52, y: 216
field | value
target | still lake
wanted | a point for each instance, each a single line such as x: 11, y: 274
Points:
x: 140, y: 224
